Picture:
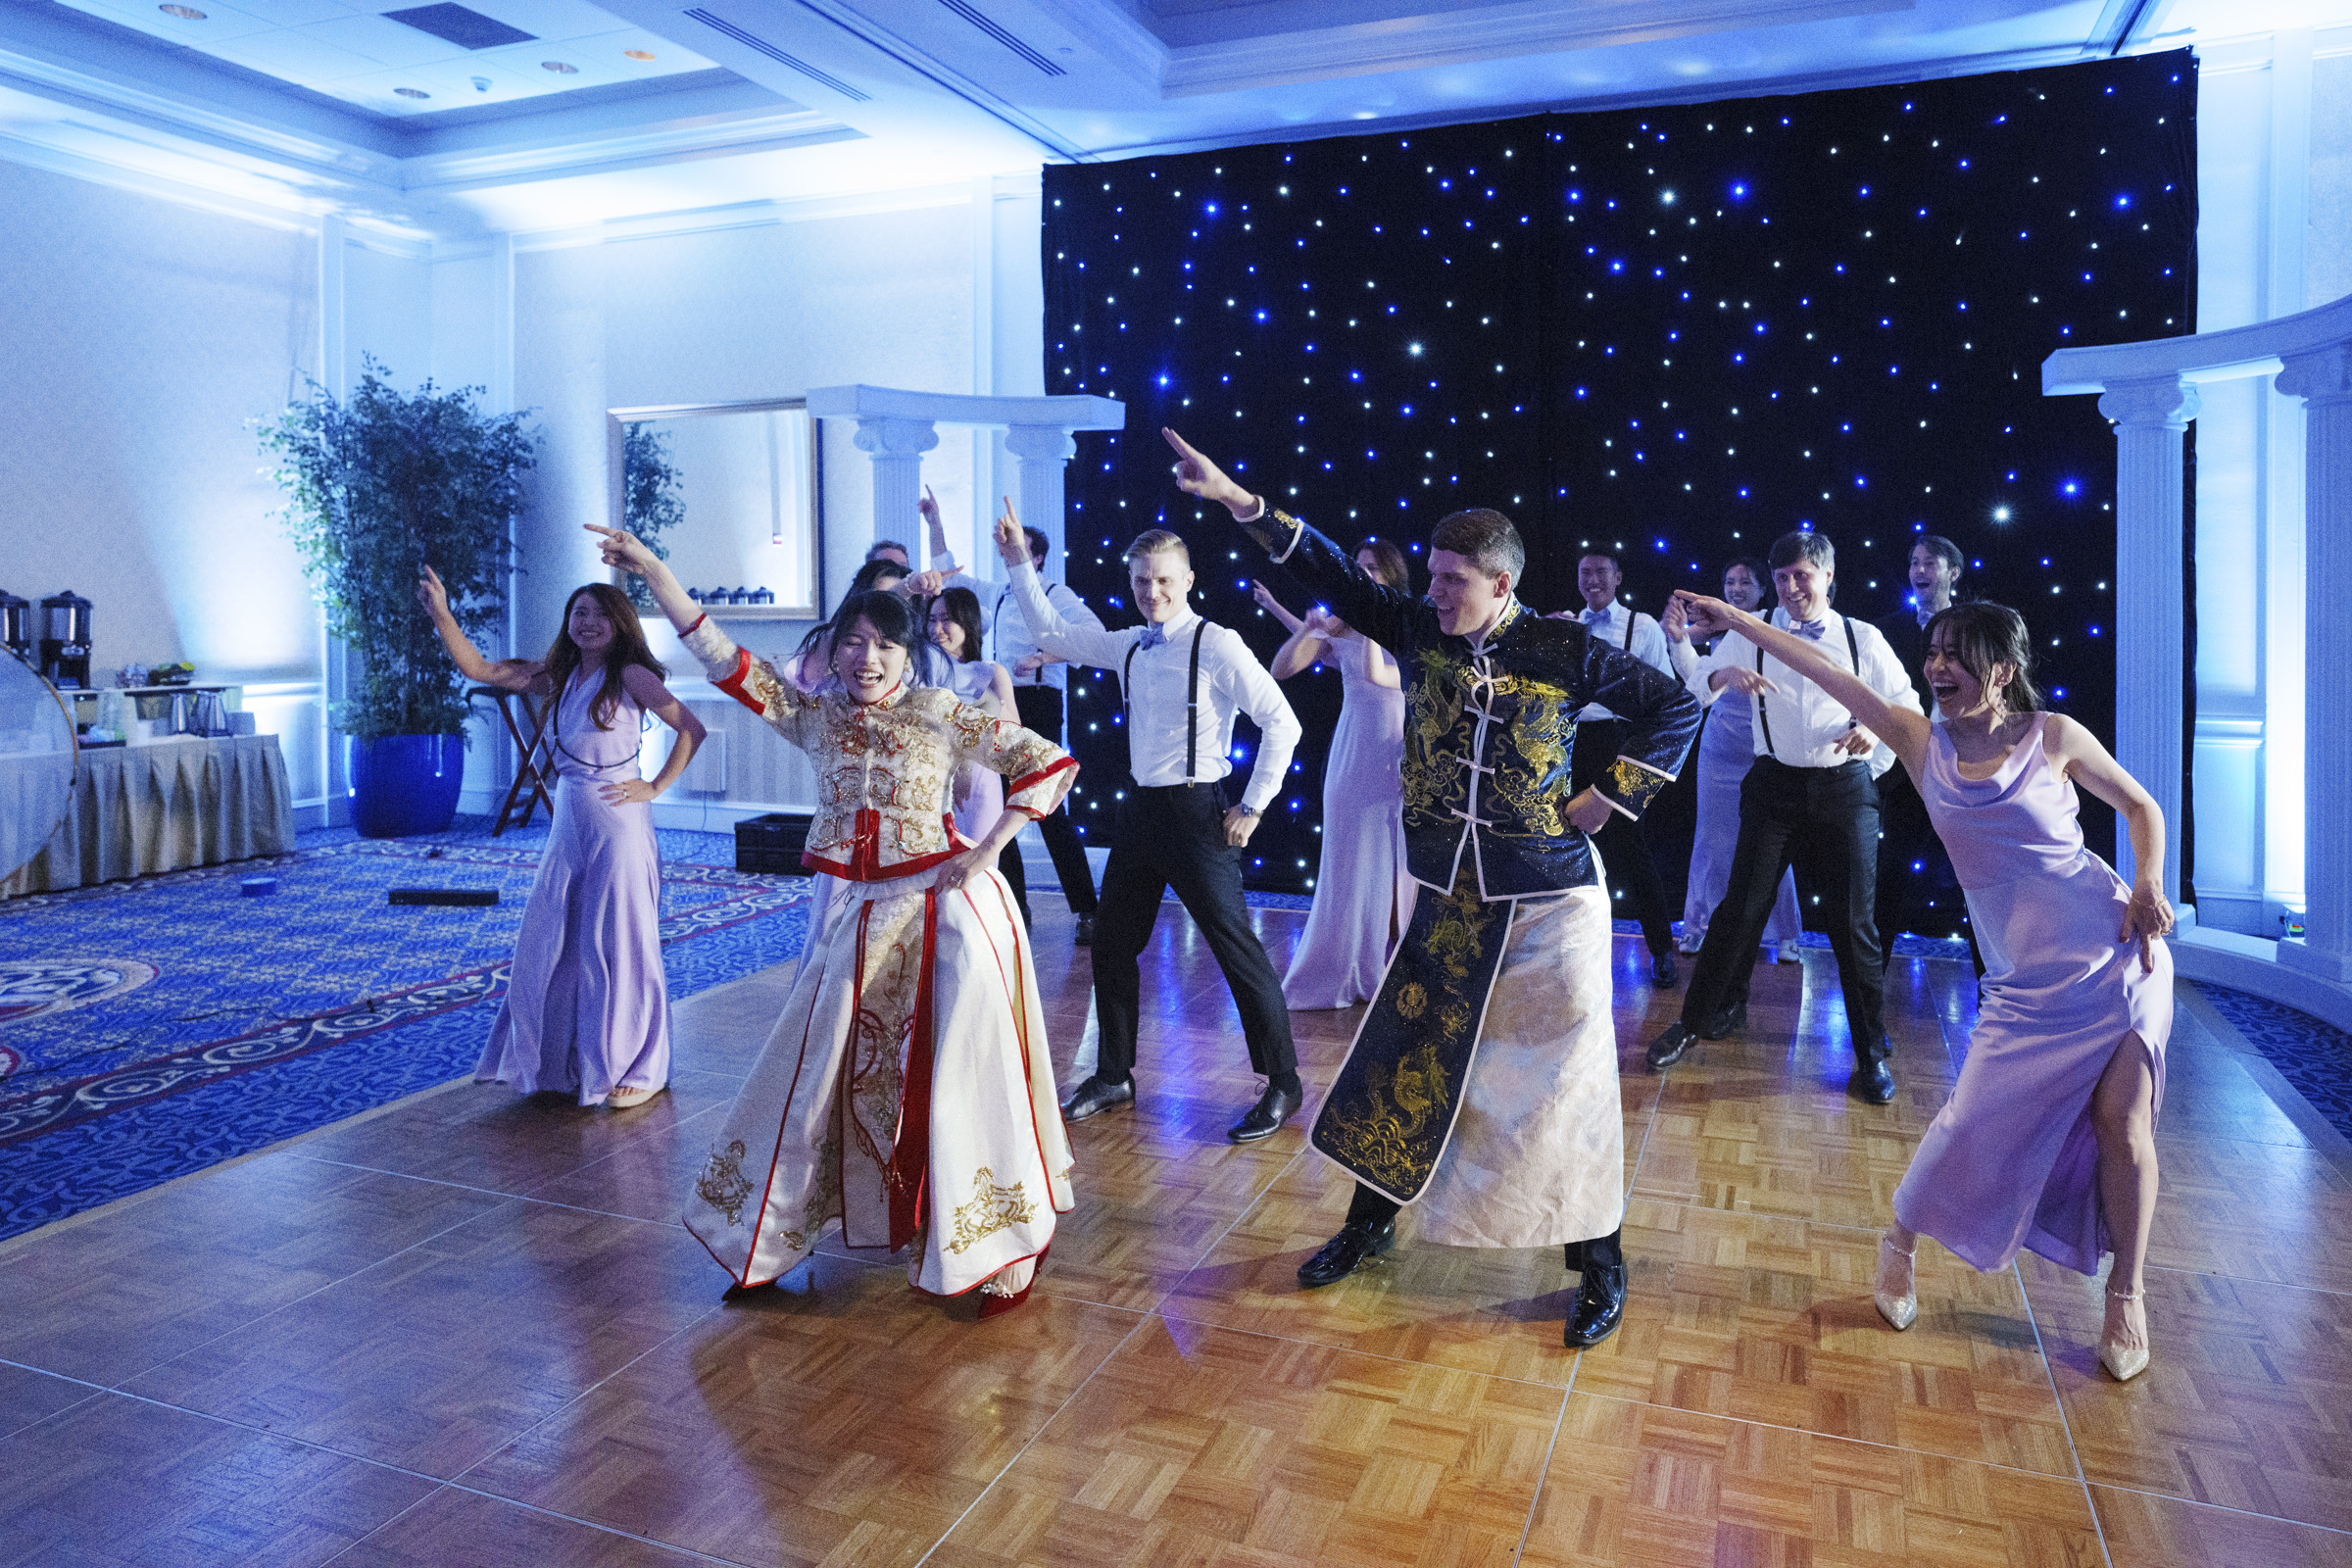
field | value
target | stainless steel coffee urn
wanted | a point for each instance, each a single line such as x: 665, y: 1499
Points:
x: 16, y: 625
x: 66, y: 639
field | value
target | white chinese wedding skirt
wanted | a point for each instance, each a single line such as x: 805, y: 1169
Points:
x: 906, y: 1094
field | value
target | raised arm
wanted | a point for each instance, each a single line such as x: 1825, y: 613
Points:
x: 1273, y: 607
x: 1307, y: 644
x: 1063, y: 639
x: 624, y: 550
x: 508, y: 674
x: 1378, y: 611
x: 1904, y: 728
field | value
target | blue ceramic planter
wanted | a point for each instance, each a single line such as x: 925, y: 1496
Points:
x: 404, y: 784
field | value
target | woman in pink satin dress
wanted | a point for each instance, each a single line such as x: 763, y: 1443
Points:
x: 2048, y: 1139
x: 587, y: 1006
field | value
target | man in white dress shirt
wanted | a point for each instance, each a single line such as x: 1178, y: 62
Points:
x: 1184, y: 680
x: 1623, y: 841
x: 1811, y: 801
x: 1039, y: 684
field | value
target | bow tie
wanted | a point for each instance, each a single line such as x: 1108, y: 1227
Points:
x: 1810, y: 630
x: 1153, y: 635
x: 1594, y: 617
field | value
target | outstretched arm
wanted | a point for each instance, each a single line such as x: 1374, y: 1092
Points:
x: 1307, y: 644
x: 1079, y: 645
x: 1902, y: 728
x: 1378, y: 611
x: 626, y: 551
x: 1273, y: 606
x: 508, y: 674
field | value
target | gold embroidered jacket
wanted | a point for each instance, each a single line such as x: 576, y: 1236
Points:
x: 1488, y: 728
x: 883, y: 769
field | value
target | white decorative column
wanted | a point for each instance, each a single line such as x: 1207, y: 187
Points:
x: 2149, y: 418
x: 2323, y: 379
x: 1043, y: 450
x: 895, y: 446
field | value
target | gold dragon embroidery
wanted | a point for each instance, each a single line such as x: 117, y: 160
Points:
x: 722, y: 1184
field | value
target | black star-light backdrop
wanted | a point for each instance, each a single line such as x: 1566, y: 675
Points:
x: 1682, y: 331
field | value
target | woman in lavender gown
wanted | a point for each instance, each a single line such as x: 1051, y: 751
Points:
x: 1726, y: 752
x: 1363, y: 896
x: 2048, y: 1139
x: 587, y: 1007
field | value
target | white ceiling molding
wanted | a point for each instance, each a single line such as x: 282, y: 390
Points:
x: 1491, y: 32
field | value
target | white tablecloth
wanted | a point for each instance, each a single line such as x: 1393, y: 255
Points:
x: 185, y: 802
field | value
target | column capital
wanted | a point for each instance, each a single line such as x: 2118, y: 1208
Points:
x: 2163, y: 401
x: 896, y: 438
x: 1039, y: 443
x: 2324, y: 375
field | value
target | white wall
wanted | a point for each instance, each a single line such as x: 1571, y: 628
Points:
x: 2274, y: 236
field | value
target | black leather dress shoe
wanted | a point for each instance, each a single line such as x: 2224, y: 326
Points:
x: 1666, y: 1050
x: 1344, y: 1253
x: 1084, y: 934
x: 1664, y: 972
x: 1874, y: 1080
x: 1096, y: 1096
x: 1265, y: 1119
x: 1728, y: 1020
x: 1599, y: 1306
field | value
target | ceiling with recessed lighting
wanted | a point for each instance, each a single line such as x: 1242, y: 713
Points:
x: 413, y: 60
x: 524, y: 113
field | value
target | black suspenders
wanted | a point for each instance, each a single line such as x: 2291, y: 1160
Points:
x: 1192, y: 703
x: 1853, y: 650
x: 996, y: 621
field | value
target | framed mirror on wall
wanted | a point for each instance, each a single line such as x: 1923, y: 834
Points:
x: 730, y: 491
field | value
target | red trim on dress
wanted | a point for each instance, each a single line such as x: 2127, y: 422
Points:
x: 733, y: 684
x: 909, y: 1170
x: 1038, y: 777
x: 698, y: 625
x: 775, y: 1157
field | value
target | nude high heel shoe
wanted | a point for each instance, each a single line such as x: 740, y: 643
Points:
x: 2123, y: 1364
x: 1900, y: 1307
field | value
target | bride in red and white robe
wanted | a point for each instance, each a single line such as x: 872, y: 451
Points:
x: 907, y: 1092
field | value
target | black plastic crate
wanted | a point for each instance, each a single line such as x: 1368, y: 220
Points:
x: 771, y: 842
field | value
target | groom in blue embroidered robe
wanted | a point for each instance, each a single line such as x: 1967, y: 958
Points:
x: 1482, y: 1087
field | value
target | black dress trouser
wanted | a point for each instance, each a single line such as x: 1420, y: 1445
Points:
x: 1907, y: 838
x: 1623, y: 843
x: 1824, y: 821
x: 1174, y: 837
x: 1040, y: 710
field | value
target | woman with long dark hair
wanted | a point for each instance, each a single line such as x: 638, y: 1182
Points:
x: 1726, y: 752
x: 587, y: 1008
x: 906, y: 1094
x: 952, y: 618
x: 1364, y: 894
x: 2048, y: 1139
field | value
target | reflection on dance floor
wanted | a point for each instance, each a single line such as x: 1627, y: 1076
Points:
x: 468, y: 1328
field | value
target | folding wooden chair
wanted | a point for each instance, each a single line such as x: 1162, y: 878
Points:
x: 534, y: 754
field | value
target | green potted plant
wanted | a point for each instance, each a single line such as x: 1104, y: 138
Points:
x: 650, y: 503
x: 376, y: 486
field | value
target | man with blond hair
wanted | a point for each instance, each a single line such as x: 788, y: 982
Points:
x: 1184, y: 680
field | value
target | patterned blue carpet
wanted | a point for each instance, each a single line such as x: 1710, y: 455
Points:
x: 152, y: 1028
x: 2309, y: 1054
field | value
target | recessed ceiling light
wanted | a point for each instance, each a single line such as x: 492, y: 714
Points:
x: 559, y: 67
x: 411, y: 92
x: 638, y: 54
x: 183, y: 13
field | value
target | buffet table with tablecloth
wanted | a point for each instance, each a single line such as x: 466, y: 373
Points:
x: 188, y: 801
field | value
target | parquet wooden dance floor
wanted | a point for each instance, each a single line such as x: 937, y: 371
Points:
x: 469, y: 1329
